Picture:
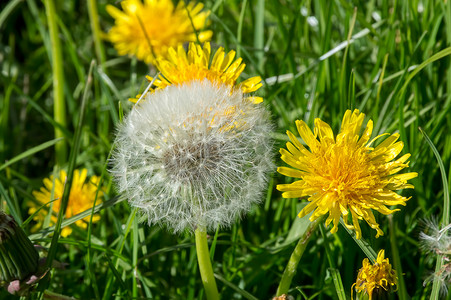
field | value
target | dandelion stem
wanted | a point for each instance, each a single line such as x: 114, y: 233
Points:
x: 59, y: 106
x: 206, y: 270
x: 290, y: 270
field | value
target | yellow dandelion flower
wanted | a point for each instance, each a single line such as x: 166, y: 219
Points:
x: 81, y: 198
x: 344, y: 175
x: 147, y: 30
x: 376, y: 279
x: 182, y: 67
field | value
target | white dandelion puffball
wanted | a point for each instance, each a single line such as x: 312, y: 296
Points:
x: 193, y: 155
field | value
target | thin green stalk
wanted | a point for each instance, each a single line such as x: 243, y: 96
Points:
x: 7, y: 10
x: 55, y: 296
x: 4, y: 121
x: 100, y: 54
x: 240, y: 28
x: 342, y: 87
x: 364, y: 245
x: 296, y: 256
x: 96, y: 32
x: 70, y: 170
x: 381, y: 81
x: 446, y: 206
x: 402, y: 291
x: 259, y: 38
x: 333, y: 271
x: 59, y: 105
x: 90, y: 268
x: 205, y: 268
x: 135, y: 247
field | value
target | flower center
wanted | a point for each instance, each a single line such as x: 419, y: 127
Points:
x: 344, y: 171
x: 187, y: 162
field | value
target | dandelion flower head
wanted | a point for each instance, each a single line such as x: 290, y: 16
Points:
x: 148, y: 29
x: 183, y: 67
x: 377, y: 278
x: 82, y: 195
x: 343, y: 174
x: 193, y: 155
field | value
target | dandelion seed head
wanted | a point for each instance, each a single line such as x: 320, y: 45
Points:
x: 194, y: 154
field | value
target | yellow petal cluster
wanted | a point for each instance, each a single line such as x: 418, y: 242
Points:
x: 377, y: 278
x: 81, y: 198
x: 344, y: 175
x: 148, y: 29
x: 182, y: 67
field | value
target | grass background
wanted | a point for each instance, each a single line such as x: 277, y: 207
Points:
x: 388, y: 71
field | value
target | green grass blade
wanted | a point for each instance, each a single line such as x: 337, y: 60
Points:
x: 239, y: 33
x: 96, y: 31
x: 364, y: 245
x: 398, y: 87
x: 90, y: 268
x: 439, y: 55
x: 116, y: 273
x: 12, y: 208
x: 7, y: 10
x: 336, y: 277
x: 30, y: 152
x: 135, y: 247
x: 28, y: 220
x: 59, y: 102
x: 105, y: 80
x: 433, y: 58
x: 344, y: 94
x: 402, y: 291
x: 70, y: 171
x: 445, y: 217
x: 44, y: 232
x: 259, y: 33
x: 120, y: 248
x: 240, y: 291
x: 81, y: 243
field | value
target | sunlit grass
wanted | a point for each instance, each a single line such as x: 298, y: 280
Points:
x: 316, y: 61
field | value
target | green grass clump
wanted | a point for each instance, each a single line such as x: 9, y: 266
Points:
x: 389, y: 59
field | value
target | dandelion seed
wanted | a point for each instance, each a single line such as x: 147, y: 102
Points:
x: 193, y: 155
x: 344, y: 175
x: 376, y: 279
x: 443, y: 277
x: 81, y: 198
x: 147, y: 30
x: 181, y: 67
x: 435, y: 239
